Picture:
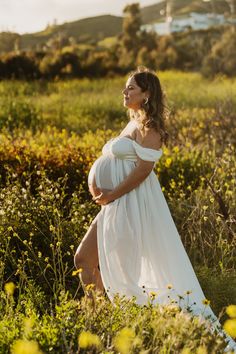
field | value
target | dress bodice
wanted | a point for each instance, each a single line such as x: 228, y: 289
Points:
x: 125, y: 148
x: 117, y: 161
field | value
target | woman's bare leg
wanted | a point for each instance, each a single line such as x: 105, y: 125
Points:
x: 86, y: 257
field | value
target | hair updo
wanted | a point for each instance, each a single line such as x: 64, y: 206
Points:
x: 153, y: 111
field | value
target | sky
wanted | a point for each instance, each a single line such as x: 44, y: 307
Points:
x: 24, y: 16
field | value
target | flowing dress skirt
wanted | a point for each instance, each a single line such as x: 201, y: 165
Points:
x: 140, y: 250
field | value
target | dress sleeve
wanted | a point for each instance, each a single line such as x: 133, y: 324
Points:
x: 147, y: 154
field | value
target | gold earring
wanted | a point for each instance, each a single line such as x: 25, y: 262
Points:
x: 146, y: 100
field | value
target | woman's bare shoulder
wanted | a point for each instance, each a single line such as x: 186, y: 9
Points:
x: 152, y: 139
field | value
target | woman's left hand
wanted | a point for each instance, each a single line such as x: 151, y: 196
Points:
x: 104, y: 198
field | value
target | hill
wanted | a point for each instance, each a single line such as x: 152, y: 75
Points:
x: 85, y: 30
x: 82, y: 31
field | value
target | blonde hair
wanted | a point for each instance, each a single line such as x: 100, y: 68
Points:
x: 154, y: 111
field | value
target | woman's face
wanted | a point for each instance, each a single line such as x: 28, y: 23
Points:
x: 133, y: 95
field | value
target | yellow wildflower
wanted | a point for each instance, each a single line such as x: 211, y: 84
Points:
x: 152, y: 294
x: 231, y: 311
x: 123, y: 341
x: 175, y: 149
x: 9, y: 288
x: 169, y: 286
x: 188, y: 292
x: 23, y: 346
x: 90, y: 287
x: 88, y: 339
x: 173, y: 302
x: 230, y: 327
x: 78, y: 271
x: 206, y: 302
x: 168, y: 162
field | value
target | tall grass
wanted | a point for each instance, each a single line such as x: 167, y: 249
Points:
x: 80, y: 105
x: 51, y: 132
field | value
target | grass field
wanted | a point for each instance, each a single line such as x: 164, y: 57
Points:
x: 51, y: 133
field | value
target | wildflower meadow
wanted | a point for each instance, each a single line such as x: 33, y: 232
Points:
x: 50, y: 135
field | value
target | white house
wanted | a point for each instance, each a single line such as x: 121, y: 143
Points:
x: 194, y: 21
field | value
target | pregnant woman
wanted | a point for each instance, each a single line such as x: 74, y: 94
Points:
x: 132, y: 246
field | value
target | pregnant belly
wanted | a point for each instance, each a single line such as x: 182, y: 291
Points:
x: 100, y: 176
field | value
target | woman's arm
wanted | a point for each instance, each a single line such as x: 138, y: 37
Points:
x: 133, y: 180
x: 137, y: 175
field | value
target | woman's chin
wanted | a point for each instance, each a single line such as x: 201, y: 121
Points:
x: 128, y: 105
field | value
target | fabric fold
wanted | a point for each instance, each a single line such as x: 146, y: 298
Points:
x: 147, y: 154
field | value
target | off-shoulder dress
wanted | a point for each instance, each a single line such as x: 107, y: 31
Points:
x: 140, y: 250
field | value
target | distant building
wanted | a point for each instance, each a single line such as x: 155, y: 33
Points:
x: 193, y: 21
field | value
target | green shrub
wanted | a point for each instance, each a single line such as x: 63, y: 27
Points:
x: 19, y: 114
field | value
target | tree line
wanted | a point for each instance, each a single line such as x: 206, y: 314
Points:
x: 210, y: 51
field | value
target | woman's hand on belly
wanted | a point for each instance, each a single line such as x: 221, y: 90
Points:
x: 105, y: 197
x: 94, y: 190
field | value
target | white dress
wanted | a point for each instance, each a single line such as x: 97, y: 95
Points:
x: 140, y: 250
